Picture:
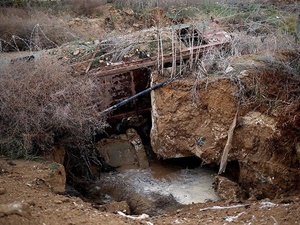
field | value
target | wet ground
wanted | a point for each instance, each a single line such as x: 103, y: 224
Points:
x: 160, y: 188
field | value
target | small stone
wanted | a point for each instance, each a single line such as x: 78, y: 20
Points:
x: 122, y: 206
x: 227, y: 189
x: 76, y: 52
x: 31, y: 203
x: 2, y: 191
x: 128, y: 11
x: 58, y: 202
x: 229, y: 69
x: 66, y: 200
x: 18, y: 208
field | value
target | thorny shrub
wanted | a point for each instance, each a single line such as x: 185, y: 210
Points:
x: 43, y: 104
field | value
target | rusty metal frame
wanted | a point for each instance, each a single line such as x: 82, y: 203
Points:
x: 216, y: 39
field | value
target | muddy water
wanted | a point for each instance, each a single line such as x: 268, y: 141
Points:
x: 186, y: 185
x: 160, y: 188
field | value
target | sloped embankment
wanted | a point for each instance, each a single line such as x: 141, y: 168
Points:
x: 193, y: 118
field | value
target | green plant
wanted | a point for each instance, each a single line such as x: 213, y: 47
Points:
x: 288, y: 24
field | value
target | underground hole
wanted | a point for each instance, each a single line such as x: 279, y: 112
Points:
x: 119, y: 181
x: 232, y: 171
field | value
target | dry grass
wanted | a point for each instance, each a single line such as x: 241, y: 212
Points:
x: 88, y: 8
x: 42, y: 104
x: 22, y: 29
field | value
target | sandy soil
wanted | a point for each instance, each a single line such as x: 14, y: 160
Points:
x: 28, y: 195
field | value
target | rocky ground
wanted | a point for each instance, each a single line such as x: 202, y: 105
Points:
x: 32, y: 193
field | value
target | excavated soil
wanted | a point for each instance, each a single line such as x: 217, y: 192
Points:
x: 29, y: 194
x: 193, y: 118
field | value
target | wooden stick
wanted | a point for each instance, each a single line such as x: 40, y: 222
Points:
x: 92, y: 59
x: 228, y: 145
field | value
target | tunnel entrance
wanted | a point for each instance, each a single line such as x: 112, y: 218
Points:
x: 113, y: 169
x: 191, y: 36
x: 233, y: 171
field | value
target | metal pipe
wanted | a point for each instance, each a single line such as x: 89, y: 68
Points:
x: 136, y: 96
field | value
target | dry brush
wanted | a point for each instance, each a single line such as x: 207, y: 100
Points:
x: 42, y: 104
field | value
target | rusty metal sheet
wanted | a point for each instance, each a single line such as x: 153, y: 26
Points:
x: 122, y: 86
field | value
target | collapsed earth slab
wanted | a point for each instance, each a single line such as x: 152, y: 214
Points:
x: 192, y: 118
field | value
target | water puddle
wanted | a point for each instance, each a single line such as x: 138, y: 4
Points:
x: 159, y: 186
x: 187, y: 186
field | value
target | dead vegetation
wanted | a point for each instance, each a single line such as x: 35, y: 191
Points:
x: 88, y: 8
x: 43, y: 104
x: 25, y: 29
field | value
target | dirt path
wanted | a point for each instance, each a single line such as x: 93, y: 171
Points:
x: 31, y: 186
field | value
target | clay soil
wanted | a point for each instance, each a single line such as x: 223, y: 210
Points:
x: 33, y: 189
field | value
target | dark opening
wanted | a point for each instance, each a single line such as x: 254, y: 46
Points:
x: 190, y: 162
x: 233, y: 171
x: 191, y: 37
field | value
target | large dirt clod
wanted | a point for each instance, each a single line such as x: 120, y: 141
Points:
x: 192, y: 118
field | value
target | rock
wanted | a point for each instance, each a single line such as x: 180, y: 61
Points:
x: 193, y: 119
x: 184, y: 126
x: 76, y: 52
x: 19, y: 208
x: 2, y: 191
x: 228, y: 190
x: 136, y: 141
x: 124, y: 149
x: 31, y: 203
x: 58, y: 202
x: 56, y: 178
x: 122, y: 206
x: 57, y: 154
x: 53, y: 178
